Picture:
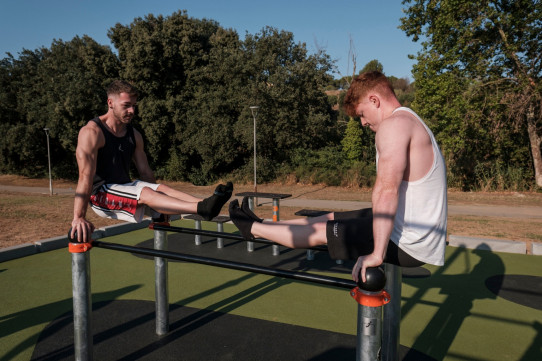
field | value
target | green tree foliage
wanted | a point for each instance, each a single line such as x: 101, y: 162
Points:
x: 159, y: 55
x: 352, y: 145
x: 60, y: 88
x: 373, y: 65
x: 198, y: 82
x: 478, y: 80
x: 287, y: 84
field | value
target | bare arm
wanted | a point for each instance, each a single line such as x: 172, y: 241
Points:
x: 140, y: 158
x: 392, y: 140
x: 89, y: 141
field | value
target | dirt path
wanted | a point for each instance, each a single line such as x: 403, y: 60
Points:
x: 453, y: 209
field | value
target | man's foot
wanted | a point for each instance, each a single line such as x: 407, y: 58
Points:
x: 246, y: 209
x: 241, y: 220
x: 210, y: 207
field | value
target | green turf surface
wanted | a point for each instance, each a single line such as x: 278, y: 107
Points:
x: 450, y: 316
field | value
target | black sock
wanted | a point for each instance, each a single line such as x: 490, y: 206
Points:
x: 210, y: 207
x: 245, y: 207
x: 241, y: 220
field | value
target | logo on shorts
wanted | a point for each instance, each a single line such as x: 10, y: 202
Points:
x: 336, y: 229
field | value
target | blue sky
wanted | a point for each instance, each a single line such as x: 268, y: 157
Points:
x: 328, y: 25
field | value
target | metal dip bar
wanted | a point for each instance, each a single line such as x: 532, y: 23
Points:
x: 300, y: 276
x: 369, y: 321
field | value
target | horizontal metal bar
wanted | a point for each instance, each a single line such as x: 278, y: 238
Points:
x: 300, y: 276
x: 203, y: 232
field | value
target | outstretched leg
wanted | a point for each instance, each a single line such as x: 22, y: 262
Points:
x: 167, y: 200
x: 287, y: 234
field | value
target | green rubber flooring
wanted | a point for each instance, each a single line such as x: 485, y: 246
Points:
x: 479, y: 306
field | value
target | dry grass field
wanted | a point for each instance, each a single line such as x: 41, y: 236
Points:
x: 29, y: 217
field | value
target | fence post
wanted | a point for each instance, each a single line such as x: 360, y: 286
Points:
x: 82, y: 300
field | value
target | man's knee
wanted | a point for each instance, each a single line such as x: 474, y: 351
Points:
x: 146, y: 194
x: 320, y: 229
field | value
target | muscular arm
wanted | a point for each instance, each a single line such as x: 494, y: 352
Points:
x: 89, y: 141
x: 140, y: 158
x: 392, y: 141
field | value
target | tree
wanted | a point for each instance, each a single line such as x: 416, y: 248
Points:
x: 351, y: 142
x: 288, y: 85
x: 198, y: 81
x: 61, y: 88
x: 373, y: 65
x: 159, y: 55
x: 495, y: 45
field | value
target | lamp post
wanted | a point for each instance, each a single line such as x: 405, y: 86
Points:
x: 49, y: 159
x: 254, y: 109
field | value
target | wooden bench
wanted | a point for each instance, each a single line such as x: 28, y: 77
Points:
x: 219, y: 220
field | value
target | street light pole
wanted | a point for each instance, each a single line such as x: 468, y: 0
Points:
x: 49, y: 159
x: 254, y: 109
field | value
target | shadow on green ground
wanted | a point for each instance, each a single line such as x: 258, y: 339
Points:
x: 462, y: 291
x: 27, y: 318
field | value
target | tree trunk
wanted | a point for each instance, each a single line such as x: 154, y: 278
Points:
x: 536, y: 142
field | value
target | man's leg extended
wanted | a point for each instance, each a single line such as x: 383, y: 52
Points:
x: 167, y: 200
x: 300, y: 233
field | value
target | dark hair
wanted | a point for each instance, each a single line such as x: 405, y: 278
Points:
x: 363, y: 84
x: 121, y: 86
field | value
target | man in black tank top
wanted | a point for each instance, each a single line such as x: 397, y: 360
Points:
x: 106, y: 147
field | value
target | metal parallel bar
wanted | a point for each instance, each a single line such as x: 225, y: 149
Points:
x: 300, y: 276
x: 204, y: 232
x: 161, y: 289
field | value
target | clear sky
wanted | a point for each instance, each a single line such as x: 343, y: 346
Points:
x: 329, y: 25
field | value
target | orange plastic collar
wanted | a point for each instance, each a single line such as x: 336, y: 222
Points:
x: 370, y: 299
x: 166, y: 224
x: 75, y: 247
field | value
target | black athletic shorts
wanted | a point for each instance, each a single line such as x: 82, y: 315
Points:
x: 350, y: 235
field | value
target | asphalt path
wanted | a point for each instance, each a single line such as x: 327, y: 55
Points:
x: 303, y: 203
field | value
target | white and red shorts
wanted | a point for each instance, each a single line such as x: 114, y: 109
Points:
x: 120, y: 201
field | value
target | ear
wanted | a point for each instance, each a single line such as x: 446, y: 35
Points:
x: 110, y: 103
x: 374, y: 100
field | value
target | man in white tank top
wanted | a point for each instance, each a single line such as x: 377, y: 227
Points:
x: 409, y: 199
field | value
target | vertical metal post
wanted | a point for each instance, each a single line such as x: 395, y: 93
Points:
x: 250, y: 245
x: 161, y: 285
x: 254, y: 110
x: 369, y: 335
x: 82, y: 305
x: 392, y: 314
x: 49, y: 160
x: 276, y: 218
x: 219, y: 240
x: 197, y: 238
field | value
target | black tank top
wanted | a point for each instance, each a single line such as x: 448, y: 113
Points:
x: 114, y: 158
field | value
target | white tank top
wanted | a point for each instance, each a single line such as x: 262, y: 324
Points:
x: 421, y: 220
